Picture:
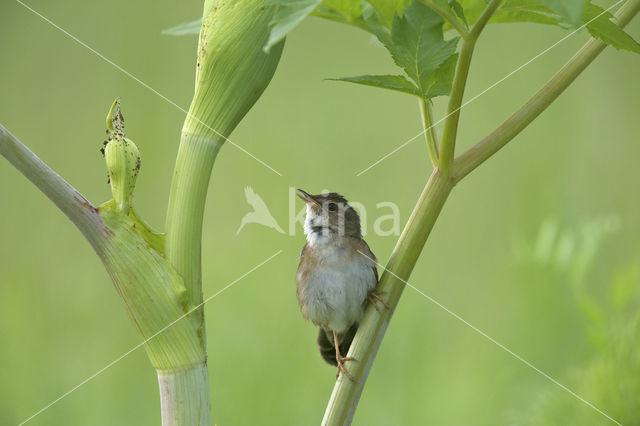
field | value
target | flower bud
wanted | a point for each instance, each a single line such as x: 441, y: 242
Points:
x: 122, y: 158
x: 233, y: 69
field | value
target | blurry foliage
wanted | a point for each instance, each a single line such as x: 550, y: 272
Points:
x: 610, y: 380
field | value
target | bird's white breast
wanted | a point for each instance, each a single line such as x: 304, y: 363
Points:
x: 333, y: 293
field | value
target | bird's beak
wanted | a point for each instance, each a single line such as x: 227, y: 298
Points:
x: 305, y: 196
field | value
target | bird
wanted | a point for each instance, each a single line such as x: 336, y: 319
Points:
x: 337, y: 275
x: 260, y: 213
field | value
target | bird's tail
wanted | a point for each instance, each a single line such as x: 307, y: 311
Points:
x: 327, y: 348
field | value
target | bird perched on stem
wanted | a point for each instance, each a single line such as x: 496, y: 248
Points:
x: 336, y: 276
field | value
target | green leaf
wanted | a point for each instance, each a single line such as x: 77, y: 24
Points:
x: 458, y: 10
x: 387, y: 9
x: 375, y: 22
x: 350, y: 9
x: 418, y: 46
x: 562, y: 14
x: 192, y: 27
x: 473, y: 9
x: 391, y: 82
x: 570, y: 10
x: 526, y: 11
x: 606, y: 30
x: 441, y: 81
x: 290, y: 13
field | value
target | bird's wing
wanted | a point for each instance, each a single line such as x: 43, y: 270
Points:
x: 367, y: 251
x: 302, y: 251
x: 254, y: 200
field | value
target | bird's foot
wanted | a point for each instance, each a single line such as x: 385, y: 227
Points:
x: 341, y: 368
x: 375, y: 297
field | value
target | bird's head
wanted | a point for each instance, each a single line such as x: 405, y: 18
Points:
x: 329, y: 214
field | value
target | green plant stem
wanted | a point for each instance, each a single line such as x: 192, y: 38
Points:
x: 194, y: 162
x: 513, y: 125
x: 184, y: 396
x: 446, y: 14
x: 346, y: 393
x: 447, y: 148
x: 430, y: 132
x: 71, y: 202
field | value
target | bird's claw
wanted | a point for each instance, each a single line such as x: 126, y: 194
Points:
x: 375, y: 297
x: 341, y: 368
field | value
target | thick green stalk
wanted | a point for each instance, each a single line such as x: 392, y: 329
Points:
x: 184, y: 396
x: 447, y: 149
x: 194, y: 163
x: 430, y: 132
x: 346, y: 393
x: 151, y: 290
x: 513, y: 125
x: 232, y: 72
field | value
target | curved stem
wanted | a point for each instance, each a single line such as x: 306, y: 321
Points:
x: 72, y: 203
x: 346, y: 393
x: 446, y: 14
x: 447, y: 149
x: 430, y: 132
x: 196, y: 155
x: 513, y: 125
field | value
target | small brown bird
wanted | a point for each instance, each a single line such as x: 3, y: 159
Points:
x: 336, y: 276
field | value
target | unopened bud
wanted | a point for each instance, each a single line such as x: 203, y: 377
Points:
x: 122, y: 158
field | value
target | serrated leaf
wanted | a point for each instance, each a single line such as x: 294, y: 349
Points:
x: 391, y: 82
x: 417, y: 44
x: 290, y: 13
x: 192, y: 27
x: 606, y: 30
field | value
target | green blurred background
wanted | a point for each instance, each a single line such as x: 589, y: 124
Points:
x: 538, y: 248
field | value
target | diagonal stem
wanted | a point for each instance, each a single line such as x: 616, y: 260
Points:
x: 520, y: 119
x: 346, y: 394
x: 71, y: 202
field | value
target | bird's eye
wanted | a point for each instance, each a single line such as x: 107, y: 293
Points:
x: 333, y: 207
